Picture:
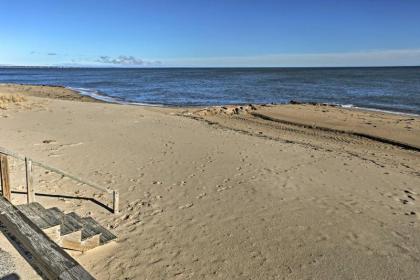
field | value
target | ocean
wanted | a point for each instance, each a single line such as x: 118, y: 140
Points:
x: 395, y: 89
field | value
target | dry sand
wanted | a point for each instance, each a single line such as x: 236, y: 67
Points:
x: 55, y: 92
x: 221, y: 193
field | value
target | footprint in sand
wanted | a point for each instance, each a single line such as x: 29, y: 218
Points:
x: 410, y: 194
x: 411, y: 213
x: 49, y: 141
x: 221, y: 188
x: 188, y: 205
x: 201, y: 195
x: 409, y: 198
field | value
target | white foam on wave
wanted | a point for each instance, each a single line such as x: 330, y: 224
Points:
x: 96, y: 95
x: 387, y: 111
x: 351, y: 106
x: 347, y: 106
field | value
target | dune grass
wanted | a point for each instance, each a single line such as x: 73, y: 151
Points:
x: 8, y: 99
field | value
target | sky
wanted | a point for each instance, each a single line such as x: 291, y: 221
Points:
x: 210, y: 33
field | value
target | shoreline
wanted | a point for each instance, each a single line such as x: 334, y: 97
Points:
x: 314, y: 120
x: 94, y: 94
x: 291, y: 102
x: 105, y: 98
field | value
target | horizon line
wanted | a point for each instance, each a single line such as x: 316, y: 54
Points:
x: 200, y: 67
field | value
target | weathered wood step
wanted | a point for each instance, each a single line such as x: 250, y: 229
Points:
x: 42, y: 218
x: 27, y: 210
x: 45, y: 214
x: 50, y: 260
x: 75, y: 235
x: 70, y: 230
x: 68, y: 224
x: 39, y: 215
x: 49, y: 224
x: 87, y: 231
x: 106, y: 235
x: 89, y: 238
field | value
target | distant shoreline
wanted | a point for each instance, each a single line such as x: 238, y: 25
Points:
x: 194, y: 67
x: 71, y: 93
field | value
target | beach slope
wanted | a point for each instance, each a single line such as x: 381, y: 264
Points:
x: 221, y: 193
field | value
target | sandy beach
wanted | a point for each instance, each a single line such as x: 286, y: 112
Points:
x: 237, y: 192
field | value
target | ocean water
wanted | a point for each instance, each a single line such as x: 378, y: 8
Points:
x: 388, y: 88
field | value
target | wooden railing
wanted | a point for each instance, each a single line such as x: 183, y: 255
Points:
x: 30, y: 187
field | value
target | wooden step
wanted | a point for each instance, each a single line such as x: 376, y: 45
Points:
x: 90, y: 237
x: 70, y: 230
x: 87, y: 231
x: 68, y: 225
x: 39, y: 215
x: 49, y: 224
x: 106, y: 235
x: 45, y: 214
x: 50, y: 261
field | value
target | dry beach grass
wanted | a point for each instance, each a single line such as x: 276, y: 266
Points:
x: 7, y: 100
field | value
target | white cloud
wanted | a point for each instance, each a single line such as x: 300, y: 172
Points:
x: 404, y: 57
x: 125, y: 60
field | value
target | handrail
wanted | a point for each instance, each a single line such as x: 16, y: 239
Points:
x: 65, y: 174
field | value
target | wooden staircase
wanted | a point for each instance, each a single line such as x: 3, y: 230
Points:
x: 69, y: 231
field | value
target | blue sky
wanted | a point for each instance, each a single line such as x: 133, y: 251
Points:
x: 210, y: 33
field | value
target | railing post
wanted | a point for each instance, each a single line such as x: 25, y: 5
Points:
x: 4, y: 177
x: 116, y: 202
x: 29, y: 181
